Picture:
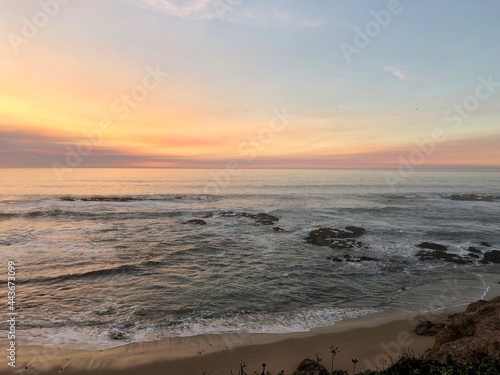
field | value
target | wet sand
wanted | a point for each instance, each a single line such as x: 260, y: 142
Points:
x: 374, y: 340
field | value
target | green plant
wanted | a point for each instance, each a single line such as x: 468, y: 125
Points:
x: 334, y: 350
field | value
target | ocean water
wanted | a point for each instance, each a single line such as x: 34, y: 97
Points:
x: 87, y: 267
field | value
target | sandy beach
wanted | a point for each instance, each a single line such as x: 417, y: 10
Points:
x: 371, y: 339
x: 375, y: 340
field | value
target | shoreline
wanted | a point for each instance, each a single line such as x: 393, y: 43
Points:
x: 374, y: 339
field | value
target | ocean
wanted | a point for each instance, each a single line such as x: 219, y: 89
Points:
x: 105, y: 257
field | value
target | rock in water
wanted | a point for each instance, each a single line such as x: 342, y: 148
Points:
x: 474, y: 250
x: 336, y: 238
x: 432, y: 246
x: 311, y: 367
x: 470, y: 335
x: 492, y: 257
x: 444, y: 256
x: 196, y: 222
x: 261, y: 218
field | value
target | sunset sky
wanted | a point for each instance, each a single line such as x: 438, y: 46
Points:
x: 198, y: 83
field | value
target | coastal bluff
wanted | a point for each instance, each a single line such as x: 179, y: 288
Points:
x: 470, y: 336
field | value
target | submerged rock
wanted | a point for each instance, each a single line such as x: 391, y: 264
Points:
x: 470, y: 335
x: 357, y: 259
x: 471, y: 198
x: 351, y: 258
x: 485, y: 244
x: 432, y: 246
x: 278, y: 229
x: 441, y: 255
x: 336, y: 238
x: 427, y: 328
x: 261, y: 218
x: 311, y: 367
x: 474, y: 250
x: 109, y: 199
x: 196, y: 222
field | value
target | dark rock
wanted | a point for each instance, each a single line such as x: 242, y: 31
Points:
x: 208, y: 216
x: 311, y: 367
x: 336, y: 238
x: 108, y: 199
x: 492, y: 257
x: 265, y: 219
x: 432, y: 246
x: 470, y: 335
x: 475, y: 256
x: 427, y: 328
x: 353, y: 259
x: 441, y: 255
x: 364, y: 259
x: 261, y: 218
x: 471, y: 198
x: 486, y: 244
x: 474, y: 250
x: 278, y: 229
x: 67, y: 199
x: 196, y: 222
x: 116, y: 335
x: 356, y: 231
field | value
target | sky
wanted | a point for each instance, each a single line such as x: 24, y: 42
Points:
x: 264, y: 84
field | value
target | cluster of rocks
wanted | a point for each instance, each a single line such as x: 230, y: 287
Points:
x: 348, y: 238
x: 435, y: 251
x: 342, y: 239
x: 260, y: 218
x: 336, y: 238
x: 470, y: 336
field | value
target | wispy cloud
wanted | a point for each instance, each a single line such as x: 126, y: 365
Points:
x: 397, y: 73
x: 240, y: 12
x: 194, y: 9
x: 462, y: 51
